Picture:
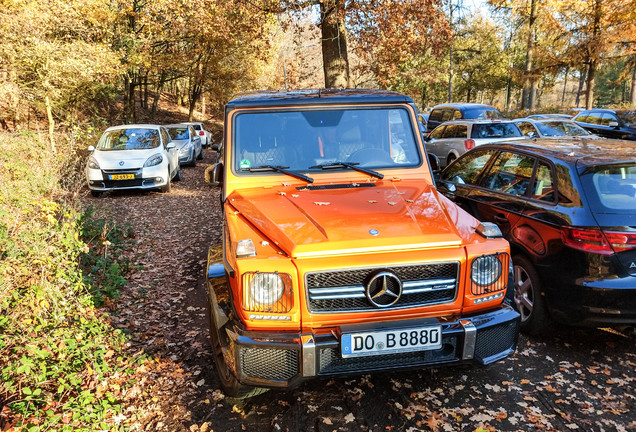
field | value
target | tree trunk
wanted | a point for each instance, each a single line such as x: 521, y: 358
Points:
x: 145, y: 100
x: 203, y: 105
x: 335, y: 61
x: 528, y: 98
x: 565, y: 86
x: 632, y: 93
x: 49, y: 114
x: 589, y: 91
x: 155, y: 101
x: 582, y: 76
x: 129, y: 104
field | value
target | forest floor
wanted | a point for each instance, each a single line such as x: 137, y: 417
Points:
x: 572, y: 380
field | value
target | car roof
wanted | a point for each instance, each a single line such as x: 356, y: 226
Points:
x: 584, y: 151
x: 317, y: 97
x: 463, y: 105
x: 135, y: 126
x: 543, y: 120
x: 177, y: 125
x: 475, y: 121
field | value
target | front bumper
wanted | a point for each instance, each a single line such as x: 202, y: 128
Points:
x: 283, y: 359
x: 144, y: 178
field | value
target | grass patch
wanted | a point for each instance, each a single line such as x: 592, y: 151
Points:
x: 62, y: 366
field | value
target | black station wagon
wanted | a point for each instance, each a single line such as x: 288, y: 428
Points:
x: 568, y: 209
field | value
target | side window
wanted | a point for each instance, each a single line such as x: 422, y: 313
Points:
x: 461, y: 131
x: 193, y: 134
x: 544, y: 185
x: 447, y: 115
x: 457, y: 114
x: 466, y: 169
x: 510, y: 174
x: 606, y: 118
x: 450, y: 131
x: 438, y: 132
x: 582, y: 118
x: 165, y: 137
x: 526, y: 128
x: 436, y: 115
x: 594, y: 118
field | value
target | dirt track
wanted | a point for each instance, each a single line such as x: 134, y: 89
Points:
x: 576, y: 379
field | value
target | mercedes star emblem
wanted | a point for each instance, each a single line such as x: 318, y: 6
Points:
x: 384, y: 289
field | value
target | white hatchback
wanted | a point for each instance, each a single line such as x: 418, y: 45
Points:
x: 133, y: 157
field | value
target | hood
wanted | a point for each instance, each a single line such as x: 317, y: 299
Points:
x: 354, y: 218
x: 123, y: 159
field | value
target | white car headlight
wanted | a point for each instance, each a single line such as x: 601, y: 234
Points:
x: 154, y: 160
x: 266, y: 288
x: 485, y: 270
x: 92, y: 163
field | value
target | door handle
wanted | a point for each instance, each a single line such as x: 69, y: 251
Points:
x: 500, y: 218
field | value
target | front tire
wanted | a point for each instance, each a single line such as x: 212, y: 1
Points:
x: 168, y: 186
x: 528, y: 297
x: 230, y: 385
x: 451, y: 158
x: 194, y: 158
x: 177, y: 176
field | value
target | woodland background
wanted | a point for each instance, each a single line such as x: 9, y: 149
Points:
x: 70, y: 68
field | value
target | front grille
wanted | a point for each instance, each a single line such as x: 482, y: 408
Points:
x: 344, y: 290
x: 331, y: 362
x: 123, y: 183
x: 271, y: 364
x: 496, y: 339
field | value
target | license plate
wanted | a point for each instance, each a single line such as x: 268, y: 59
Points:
x: 391, y: 341
x: 122, y: 177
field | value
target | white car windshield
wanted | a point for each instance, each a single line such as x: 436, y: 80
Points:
x: 312, y: 140
x: 129, y: 139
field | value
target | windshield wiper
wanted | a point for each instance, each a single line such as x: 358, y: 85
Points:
x: 280, y: 169
x: 352, y: 165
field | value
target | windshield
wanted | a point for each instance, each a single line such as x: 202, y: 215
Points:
x: 129, y: 139
x: 561, y: 128
x: 178, y: 133
x: 483, y: 113
x: 306, y: 140
x: 628, y: 117
x: 613, y: 188
x: 495, y: 130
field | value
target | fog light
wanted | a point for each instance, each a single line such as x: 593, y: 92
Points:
x: 158, y: 179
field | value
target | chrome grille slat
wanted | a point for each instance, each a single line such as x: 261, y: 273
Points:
x: 344, y: 290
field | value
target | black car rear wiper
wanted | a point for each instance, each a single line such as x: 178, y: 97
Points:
x: 280, y: 169
x: 352, y: 165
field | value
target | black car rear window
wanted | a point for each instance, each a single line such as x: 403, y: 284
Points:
x: 628, y: 117
x: 611, y: 188
x: 495, y: 130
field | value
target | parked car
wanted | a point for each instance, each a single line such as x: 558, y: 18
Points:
x: 568, y: 209
x: 206, y: 136
x: 140, y: 156
x: 609, y: 123
x: 456, y: 111
x: 338, y: 256
x: 188, y: 143
x: 551, y: 128
x: 454, y: 138
x: 549, y: 116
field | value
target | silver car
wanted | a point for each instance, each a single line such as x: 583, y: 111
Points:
x: 451, y: 139
x: 188, y: 143
x: 552, y: 128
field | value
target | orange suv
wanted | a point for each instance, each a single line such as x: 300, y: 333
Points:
x: 338, y: 254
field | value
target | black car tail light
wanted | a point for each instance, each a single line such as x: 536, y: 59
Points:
x: 597, y: 241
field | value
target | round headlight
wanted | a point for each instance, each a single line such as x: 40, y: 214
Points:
x: 485, y: 270
x: 266, y: 288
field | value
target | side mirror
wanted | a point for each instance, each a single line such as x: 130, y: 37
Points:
x: 613, y: 124
x: 215, y: 147
x: 91, y: 148
x: 170, y: 145
x: 427, y: 137
x: 445, y: 186
x: 433, y: 161
x: 214, y: 174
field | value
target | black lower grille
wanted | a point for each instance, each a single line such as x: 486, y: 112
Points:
x: 123, y: 183
x: 331, y: 362
x: 272, y: 364
x: 495, y: 340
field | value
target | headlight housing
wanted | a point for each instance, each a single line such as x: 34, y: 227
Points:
x: 153, y: 160
x: 185, y: 149
x: 92, y: 163
x: 267, y: 292
x: 486, y: 270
